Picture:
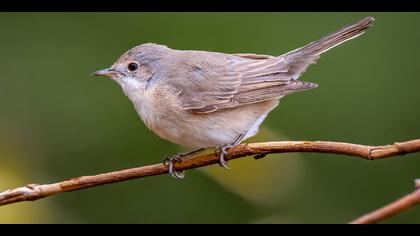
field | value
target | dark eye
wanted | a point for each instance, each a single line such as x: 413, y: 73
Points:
x: 133, y: 66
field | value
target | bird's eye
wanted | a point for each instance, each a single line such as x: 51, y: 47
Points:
x: 133, y: 66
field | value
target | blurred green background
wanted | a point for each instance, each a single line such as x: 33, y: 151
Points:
x: 57, y: 122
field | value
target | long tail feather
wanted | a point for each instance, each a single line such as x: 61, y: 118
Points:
x: 299, y: 59
x: 336, y: 38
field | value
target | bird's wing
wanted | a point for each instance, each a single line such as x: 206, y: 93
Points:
x: 215, y: 81
x: 223, y: 81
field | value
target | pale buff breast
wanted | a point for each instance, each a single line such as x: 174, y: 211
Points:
x: 163, y: 115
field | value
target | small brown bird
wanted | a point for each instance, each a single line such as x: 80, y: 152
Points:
x: 206, y: 99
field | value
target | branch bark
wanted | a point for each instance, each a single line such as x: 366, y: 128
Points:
x: 33, y: 192
x: 391, y: 209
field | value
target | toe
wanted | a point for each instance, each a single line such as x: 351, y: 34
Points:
x: 222, y: 161
x: 178, y: 174
x: 171, y: 163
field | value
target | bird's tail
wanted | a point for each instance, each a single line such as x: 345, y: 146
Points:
x: 299, y: 59
x: 337, y: 38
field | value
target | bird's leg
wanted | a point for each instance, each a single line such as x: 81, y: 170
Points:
x: 170, y: 160
x: 221, y: 150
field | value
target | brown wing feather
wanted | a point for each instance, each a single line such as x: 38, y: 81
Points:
x: 253, y: 56
x: 270, y: 92
x: 261, y: 80
x: 223, y: 81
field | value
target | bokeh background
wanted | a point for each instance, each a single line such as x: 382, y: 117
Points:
x: 57, y: 122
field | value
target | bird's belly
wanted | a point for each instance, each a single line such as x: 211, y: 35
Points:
x: 207, y: 130
x: 166, y: 118
x: 197, y: 132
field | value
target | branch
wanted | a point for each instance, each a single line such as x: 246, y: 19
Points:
x: 33, y: 192
x: 391, y: 209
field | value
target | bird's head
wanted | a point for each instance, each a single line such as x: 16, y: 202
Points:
x: 134, y: 69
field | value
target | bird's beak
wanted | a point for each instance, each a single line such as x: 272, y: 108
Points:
x: 105, y: 72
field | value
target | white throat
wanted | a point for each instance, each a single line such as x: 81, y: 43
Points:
x: 132, y: 88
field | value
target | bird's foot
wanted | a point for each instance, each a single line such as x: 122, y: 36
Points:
x: 170, y: 161
x: 221, y: 151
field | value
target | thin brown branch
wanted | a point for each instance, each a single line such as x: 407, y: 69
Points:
x: 33, y: 192
x: 394, y: 208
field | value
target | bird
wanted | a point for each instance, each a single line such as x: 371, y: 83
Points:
x: 203, y: 99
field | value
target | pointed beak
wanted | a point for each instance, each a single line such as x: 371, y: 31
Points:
x: 105, y: 72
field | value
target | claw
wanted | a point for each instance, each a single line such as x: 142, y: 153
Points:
x: 222, y: 152
x: 169, y: 161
